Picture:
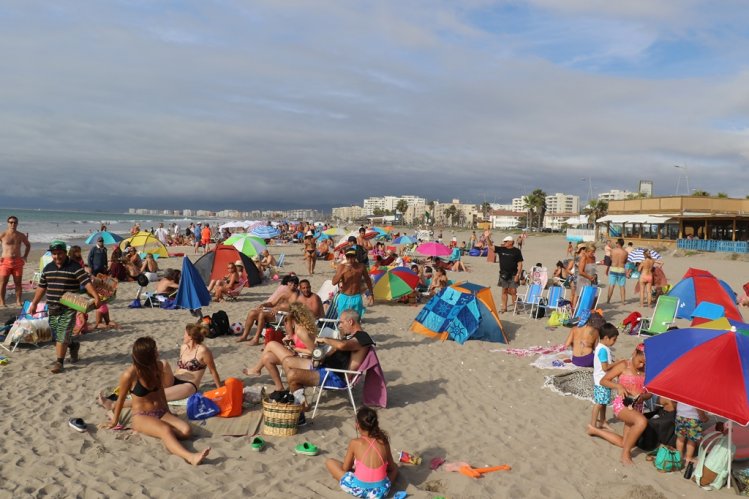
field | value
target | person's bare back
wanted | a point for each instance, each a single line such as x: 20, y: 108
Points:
x: 349, y: 278
x: 619, y: 257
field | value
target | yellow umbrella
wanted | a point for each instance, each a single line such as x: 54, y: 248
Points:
x: 145, y: 242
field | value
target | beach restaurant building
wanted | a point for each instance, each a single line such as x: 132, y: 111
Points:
x: 692, y: 222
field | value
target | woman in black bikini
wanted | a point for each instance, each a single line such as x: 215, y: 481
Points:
x: 194, y: 358
x: 310, y: 252
x: 144, y: 380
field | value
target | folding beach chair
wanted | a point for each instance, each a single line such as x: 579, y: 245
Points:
x: 375, y: 389
x: 553, y: 296
x: 29, y: 327
x: 588, y: 300
x: 664, y: 316
x: 530, y: 299
x: 233, y: 293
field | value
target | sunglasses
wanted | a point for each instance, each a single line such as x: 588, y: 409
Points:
x: 15, y: 222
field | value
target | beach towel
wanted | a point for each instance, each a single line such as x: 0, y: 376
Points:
x: 554, y: 361
x: 578, y: 384
x: 531, y: 351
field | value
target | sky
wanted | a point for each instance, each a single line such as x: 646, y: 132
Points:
x: 218, y: 104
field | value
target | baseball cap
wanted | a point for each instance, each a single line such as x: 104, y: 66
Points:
x: 508, y: 239
x: 351, y: 252
x: 58, y: 245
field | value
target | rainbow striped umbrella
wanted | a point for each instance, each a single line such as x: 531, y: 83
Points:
x: 394, y: 283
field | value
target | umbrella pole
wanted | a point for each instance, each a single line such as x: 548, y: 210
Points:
x: 730, y: 443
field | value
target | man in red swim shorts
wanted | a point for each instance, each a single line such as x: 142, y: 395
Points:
x: 11, y: 262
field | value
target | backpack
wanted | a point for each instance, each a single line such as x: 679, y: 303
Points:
x: 220, y: 323
x: 714, y: 460
x: 361, y: 254
x: 541, y: 309
x: 631, y: 324
x: 201, y: 407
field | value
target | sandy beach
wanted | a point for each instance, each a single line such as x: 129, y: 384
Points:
x: 468, y: 403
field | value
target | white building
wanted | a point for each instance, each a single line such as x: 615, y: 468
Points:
x: 505, y: 219
x: 519, y: 204
x: 346, y: 213
x: 614, y: 195
x: 646, y: 188
x: 389, y: 202
x: 554, y: 221
x: 562, y: 203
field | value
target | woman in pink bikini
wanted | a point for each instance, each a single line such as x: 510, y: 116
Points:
x: 144, y: 380
x: 368, y: 470
x: 301, y: 332
x: 646, y: 278
x: 628, y: 404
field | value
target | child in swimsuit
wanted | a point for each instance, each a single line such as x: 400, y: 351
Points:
x: 368, y: 469
x: 628, y: 404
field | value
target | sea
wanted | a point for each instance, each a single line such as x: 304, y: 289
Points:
x: 42, y: 226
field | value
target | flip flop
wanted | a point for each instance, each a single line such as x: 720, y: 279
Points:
x: 258, y: 444
x: 77, y: 424
x: 436, y: 463
x: 306, y: 449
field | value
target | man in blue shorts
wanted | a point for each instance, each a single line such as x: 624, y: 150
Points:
x: 617, y: 271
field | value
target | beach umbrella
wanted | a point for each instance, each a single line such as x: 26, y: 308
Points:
x: 265, y: 232
x: 192, y: 292
x: 145, y: 243
x: 394, y: 283
x: 334, y: 232
x: 714, y: 361
x: 433, y: 249
x: 698, y: 286
x: 638, y: 254
x: 107, y: 237
x: 247, y: 244
x: 404, y: 240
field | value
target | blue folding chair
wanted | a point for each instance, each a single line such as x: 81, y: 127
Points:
x: 531, y: 298
x: 588, y: 300
x: 553, y: 296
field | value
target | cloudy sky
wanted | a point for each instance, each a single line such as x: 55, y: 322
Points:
x: 273, y: 103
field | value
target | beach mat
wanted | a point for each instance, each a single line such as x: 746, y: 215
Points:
x: 578, y: 384
x: 554, y: 361
x: 248, y: 424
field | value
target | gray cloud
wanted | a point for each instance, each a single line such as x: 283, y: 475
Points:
x: 234, y: 104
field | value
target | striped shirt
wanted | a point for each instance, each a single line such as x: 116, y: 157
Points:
x: 57, y: 281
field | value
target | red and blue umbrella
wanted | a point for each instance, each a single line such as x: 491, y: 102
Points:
x: 705, y: 368
x: 700, y: 285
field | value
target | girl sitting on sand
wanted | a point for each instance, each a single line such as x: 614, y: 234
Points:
x: 220, y: 286
x: 301, y: 324
x: 145, y: 381
x: 628, y: 404
x: 368, y: 469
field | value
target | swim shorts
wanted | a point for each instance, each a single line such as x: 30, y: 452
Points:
x: 11, y: 266
x: 369, y: 490
x: 617, y: 279
x: 345, y: 302
x: 689, y: 428
x: 601, y: 395
x: 62, y: 325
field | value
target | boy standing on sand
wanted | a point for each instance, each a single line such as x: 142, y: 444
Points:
x: 11, y: 262
x: 603, y: 360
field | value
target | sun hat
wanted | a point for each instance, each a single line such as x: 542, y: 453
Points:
x: 57, y: 245
x: 508, y: 239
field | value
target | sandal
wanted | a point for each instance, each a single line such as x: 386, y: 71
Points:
x: 306, y: 449
x: 77, y: 424
x: 257, y: 444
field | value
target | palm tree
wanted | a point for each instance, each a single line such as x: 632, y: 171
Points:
x: 596, y: 209
x: 451, y: 211
x: 722, y: 195
x: 485, y: 208
x: 536, y: 204
x: 430, y: 205
x: 701, y: 194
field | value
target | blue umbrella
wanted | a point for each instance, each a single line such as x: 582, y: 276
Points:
x: 265, y: 232
x: 404, y: 240
x: 107, y: 237
x: 192, y: 293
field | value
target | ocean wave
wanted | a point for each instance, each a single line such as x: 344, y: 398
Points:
x: 46, y: 237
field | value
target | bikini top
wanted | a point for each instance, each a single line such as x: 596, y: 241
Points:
x: 364, y: 472
x: 633, y: 383
x: 140, y: 390
x: 191, y: 365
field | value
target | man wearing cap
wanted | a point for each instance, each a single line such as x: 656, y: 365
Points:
x: 510, y: 268
x: 11, y: 262
x: 349, y: 277
x: 97, y: 258
x: 58, y: 277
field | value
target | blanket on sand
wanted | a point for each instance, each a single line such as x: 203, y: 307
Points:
x: 578, y: 384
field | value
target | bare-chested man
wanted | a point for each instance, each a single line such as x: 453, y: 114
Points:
x: 265, y: 312
x: 617, y: 272
x: 364, y: 243
x: 11, y: 263
x: 349, y: 277
x: 309, y: 299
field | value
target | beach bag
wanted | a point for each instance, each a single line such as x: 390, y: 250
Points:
x: 667, y: 459
x: 554, y: 319
x: 220, y: 323
x: 631, y: 323
x: 361, y: 254
x: 474, y: 252
x: 541, y: 310
x: 273, y: 334
x: 715, y: 456
x: 228, y: 398
x: 201, y: 407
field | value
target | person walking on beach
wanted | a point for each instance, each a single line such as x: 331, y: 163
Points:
x: 11, y: 262
x: 617, y: 271
x: 349, y: 277
x: 97, y: 258
x: 162, y: 234
x: 59, y: 276
x: 510, y: 268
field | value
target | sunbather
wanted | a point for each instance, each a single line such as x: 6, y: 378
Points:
x: 145, y: 380
x: 583, y: 340
x: 266, y: 311
x: 439, y: 282
x: 220, y: 286
x: 169, y: 284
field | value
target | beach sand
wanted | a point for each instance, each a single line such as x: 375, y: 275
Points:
x: 464, y: 403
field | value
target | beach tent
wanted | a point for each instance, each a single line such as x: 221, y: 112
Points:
x: 213, y: 264
x: 700, y: 285
x: 461, y: 312
x: 192, y: 293
x: 145, y: 242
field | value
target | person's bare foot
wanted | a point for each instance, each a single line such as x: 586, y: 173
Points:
x: 251, y: 372
x: 253, y: 342
x: 606, y: 427
x: 241, y: 339
x: 627, y: 461
x: 104, y: 402
x: 198, y: 457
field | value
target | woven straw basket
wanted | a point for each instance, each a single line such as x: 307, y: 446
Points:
x: 280, y: 420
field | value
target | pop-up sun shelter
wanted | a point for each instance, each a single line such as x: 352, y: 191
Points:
x: 463, y: 311
x: 698, y: 286
x: 212, y: 265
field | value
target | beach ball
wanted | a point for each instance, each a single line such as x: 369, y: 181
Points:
x: 236, y: 328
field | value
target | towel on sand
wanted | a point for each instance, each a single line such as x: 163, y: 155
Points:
x: 578, y: 384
